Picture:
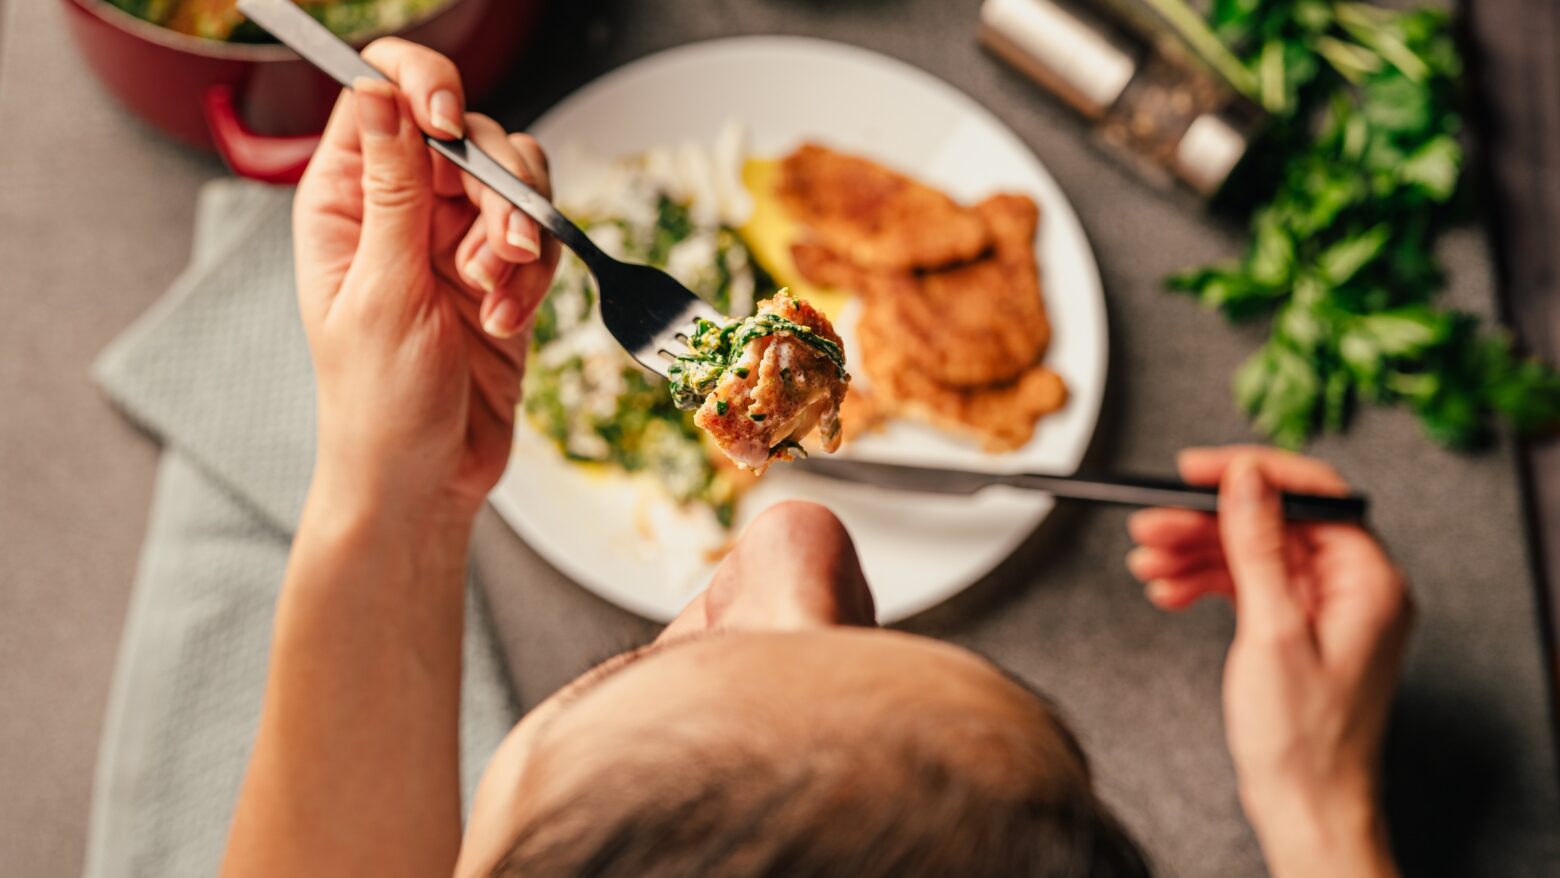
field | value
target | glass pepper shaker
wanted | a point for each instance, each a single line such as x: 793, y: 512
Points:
x: 1162, y: 112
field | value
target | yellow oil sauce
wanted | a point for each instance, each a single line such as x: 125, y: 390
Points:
x: 769, y: 233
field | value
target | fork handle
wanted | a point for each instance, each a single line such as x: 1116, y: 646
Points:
x: 470, y: 158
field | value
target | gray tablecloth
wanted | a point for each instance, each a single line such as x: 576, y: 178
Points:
x: 95, y: 214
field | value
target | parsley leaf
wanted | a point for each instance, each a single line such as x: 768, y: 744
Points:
x: 1365, y: 145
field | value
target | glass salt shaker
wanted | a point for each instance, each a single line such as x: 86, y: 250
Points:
x: 1162, y: 112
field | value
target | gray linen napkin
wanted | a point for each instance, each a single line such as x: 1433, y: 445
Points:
x: 218, y: 370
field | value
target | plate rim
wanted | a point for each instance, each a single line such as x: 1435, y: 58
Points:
x: 510, y: 510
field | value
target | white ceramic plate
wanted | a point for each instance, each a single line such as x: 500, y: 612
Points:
x: 917, y: 549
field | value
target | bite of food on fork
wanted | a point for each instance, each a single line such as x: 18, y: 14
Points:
x: 762, y: 383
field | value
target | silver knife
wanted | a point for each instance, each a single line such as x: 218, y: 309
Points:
x: 1121, y: 490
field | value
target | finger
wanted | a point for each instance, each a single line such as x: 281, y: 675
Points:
x: 1287, y: 470
x: 1180, y: 592
x: 528, y: 284
x: 446, y: 177
x: 329, y: 189
x: 1251, y: 527
x: 429, y: 80
x: 501, y: 312
x: 1361, y: 592
x: 338, y: 144
x: 1147, y: 564
x: 1173, y: 527
x: 397, y: 198
x: 480, y: 268
x: 511, y: 234
x: 535, y: 159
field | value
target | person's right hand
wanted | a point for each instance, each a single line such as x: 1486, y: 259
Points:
x: 1322, y: 617
x: 416, y: 285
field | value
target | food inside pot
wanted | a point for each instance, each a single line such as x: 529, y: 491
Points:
x: 221, y: 20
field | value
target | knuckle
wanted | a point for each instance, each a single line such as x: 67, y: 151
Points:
x: 535, y: 159
x: 482, y: 124
x: 1265, y: 543
x: 1274, y: 636
x: 386, y: 47
x: 387, y: 189
x: 530, y: 148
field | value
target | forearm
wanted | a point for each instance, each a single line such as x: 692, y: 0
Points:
x: 355, y: 768
x: 1343, y: 839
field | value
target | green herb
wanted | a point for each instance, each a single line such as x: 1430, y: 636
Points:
x: 1367, y: 160
x: 713, y: 347
x: 721, y: 406
x: 673, y: 225
x: 788, y: 444
x: 758, y: 417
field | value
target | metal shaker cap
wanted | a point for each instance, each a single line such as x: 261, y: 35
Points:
x: 1208, y: 152
x: 1078, y: 59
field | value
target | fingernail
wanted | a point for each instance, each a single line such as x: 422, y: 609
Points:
x: 378, y: 115
x: 521, y: 232
x: 477, y: 269
x: 505, y: 319
x: 1159, y: 591
x: 1135, y: 558
x: 444, y: 110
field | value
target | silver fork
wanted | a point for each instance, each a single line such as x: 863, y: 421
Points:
x: 645, y: 309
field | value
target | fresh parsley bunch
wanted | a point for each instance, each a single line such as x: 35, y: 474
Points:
x: 1368, y: 162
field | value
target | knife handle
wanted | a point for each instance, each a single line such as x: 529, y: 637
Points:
x: 1136, y: 491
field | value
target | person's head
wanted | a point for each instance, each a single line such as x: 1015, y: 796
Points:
x: 772, y: 729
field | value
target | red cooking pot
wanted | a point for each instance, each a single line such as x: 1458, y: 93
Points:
x: 261, y: 106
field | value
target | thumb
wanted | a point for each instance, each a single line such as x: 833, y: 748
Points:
x: 397, y: 179
x: 1251, y: 529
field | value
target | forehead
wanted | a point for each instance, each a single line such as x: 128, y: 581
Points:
x: 792, y: 678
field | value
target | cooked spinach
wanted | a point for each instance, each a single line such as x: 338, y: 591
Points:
x: 1366, y: 153
x: 714, y: 347
x: 601, y: 407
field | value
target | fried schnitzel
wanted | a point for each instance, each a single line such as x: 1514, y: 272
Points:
x: 1001, y: 417
x: 953, y: 325
x: 876, y: 218
x: 979, y: 323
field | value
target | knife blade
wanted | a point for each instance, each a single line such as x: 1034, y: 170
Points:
x: 1113, y: 489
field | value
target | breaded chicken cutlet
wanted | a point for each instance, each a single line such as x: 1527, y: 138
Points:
x: 953, y: 337
x: 979, y: 323
x: 762, y: 383
x: 876, y: 218
x: 1001, y: 417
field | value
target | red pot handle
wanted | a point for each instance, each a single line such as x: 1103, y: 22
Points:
x: 256, y: 156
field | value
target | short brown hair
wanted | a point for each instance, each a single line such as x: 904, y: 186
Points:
x: 926, y: 796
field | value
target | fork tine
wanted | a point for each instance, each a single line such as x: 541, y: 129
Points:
x: 649, y: 312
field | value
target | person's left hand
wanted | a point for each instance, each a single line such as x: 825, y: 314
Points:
x: 416, y: 285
